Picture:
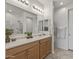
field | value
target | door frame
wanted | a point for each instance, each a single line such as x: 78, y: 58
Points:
x: 68, y: 27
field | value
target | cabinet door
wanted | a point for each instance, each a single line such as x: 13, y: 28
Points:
x: 33, y: 53
x: 45, y: 48
x: 42, y: 50
x: 21, y: 55
x: 48, y: 45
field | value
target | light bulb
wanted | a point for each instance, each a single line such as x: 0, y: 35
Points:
x: 61, y: 3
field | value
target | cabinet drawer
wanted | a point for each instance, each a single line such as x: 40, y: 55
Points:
x: 44, y: 40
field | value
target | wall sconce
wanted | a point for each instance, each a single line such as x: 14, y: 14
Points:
x: 24, y: 1
x: 37, y: 8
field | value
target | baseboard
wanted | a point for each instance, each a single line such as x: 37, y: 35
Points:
x: 62, y: 48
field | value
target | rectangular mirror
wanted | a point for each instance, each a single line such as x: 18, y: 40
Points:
x: 19, y: 20
x: 40, y: 27
x: 43, y: 25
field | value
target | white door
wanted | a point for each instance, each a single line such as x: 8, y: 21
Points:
x: 70, y: 29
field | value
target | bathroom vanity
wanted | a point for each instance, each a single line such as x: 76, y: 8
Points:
x: 34, y: 48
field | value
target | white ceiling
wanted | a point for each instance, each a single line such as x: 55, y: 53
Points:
x: 65, y: 2
x: 45, y: 2
x: 56, y: 2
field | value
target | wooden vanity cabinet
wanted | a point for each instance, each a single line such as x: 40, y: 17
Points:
x: 45, y: 47
x: 28, y: 51
x: 34, y: 50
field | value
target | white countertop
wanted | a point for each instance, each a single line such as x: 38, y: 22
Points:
x: 19, y: 42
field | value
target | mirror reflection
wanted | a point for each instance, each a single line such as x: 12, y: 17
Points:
x: 19, y: 20
x: 43, y: 25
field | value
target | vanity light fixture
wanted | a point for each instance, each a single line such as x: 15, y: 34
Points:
x: 37, y: 8
x: 24, y: 1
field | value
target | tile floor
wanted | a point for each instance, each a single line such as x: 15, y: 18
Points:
x: 61, y: 54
